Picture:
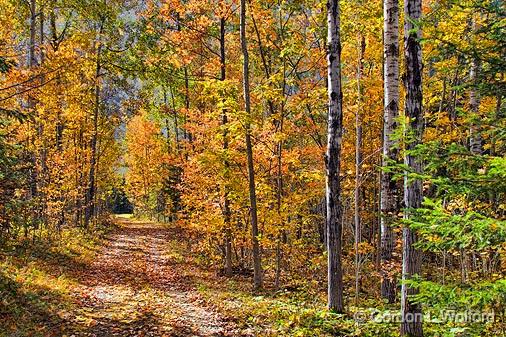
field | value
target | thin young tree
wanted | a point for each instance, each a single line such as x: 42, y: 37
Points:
x: 411, y: 324
x: 333, y: 158
x: 257, y: 264
x: 32, y: 62
x: 358, y: 164
x: 91, y: 188
x: 226, y: 164
x: 389, y: 187
x: 474, y: 102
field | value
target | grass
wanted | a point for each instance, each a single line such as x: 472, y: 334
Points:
x: 37, y: 279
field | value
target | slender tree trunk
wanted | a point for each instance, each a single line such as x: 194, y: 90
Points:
x: 377, y: 261
x: 358, y: 166
x: 333, y: 158
x: 91, y: 189
x: 279, y: 195
x: 226, y: 164
x: 411, y: 256
x: 257, y: 266
x: 443, y: 96
x: 166, y: 112
x: 282, y: 236
x: 453, y: 99
x: 77, y: 199
x: 498, y: 115
x: 32, y: 62
x: 389, y: 188
x: 174, y: 111
x: 54, y: 43
x: 43, y: 176
x: 188, y: 135
x: 474, y: 104
x: 278, y: 124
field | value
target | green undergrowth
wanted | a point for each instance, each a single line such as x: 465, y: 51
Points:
x: 285, y: 313
x: 303, y: 313
x: 37, y: 276
x: 300, y: 309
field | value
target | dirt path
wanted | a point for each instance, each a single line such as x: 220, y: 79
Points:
x: 139, y: 286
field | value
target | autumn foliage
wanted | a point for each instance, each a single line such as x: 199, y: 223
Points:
x: 144, y: 99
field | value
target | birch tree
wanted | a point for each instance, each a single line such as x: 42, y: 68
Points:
x: 389, y: 188
x: 474, y: 102
x: 333, y: 158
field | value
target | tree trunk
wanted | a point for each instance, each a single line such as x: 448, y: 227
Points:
x: 389, y: 188
x: 279, y: 195
x: 54, y: 43
x: 226, y: 164
x: 474, y: 104
x: 411, y: 257
x: 282, y: 235
x: 278, y: 124
x: 257, y: 266
x: 32, y: 62
x: 176, y: 128
x: 358, y: 165
x: 333, y: 158
x: 188, y: 135
x: 91, y: 189
x: 166, y: 113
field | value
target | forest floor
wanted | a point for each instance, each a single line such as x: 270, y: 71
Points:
x: 130, y: 283
x: 141, y: 278
x: 137, y: 286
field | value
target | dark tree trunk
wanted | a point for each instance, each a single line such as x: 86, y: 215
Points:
x: 358, y: 167
x: 91, y: 188
x: 257, y: 266
x: 32, y: 62
x: 411, y: 256
x: 226, y: 164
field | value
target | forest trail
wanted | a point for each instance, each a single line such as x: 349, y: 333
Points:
x: 139, y: 286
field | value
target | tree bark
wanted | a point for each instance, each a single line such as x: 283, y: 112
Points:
x: 176, y: 128
x: 226, y: 164
x: 411, y: 257
x: 358, y: 166
x: 257, y: 266
x: 389, y: 188
x: 188, y: 135
x: 32, y: 62
x: 333, y: 158
x: 43, y: 177
x: 279, y: 195
x: 278, y: 124
x: 474, y: 104
x: 91, y: 189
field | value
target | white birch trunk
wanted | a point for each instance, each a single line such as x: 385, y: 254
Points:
x: 333, y: 157
x: 389, y: 188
